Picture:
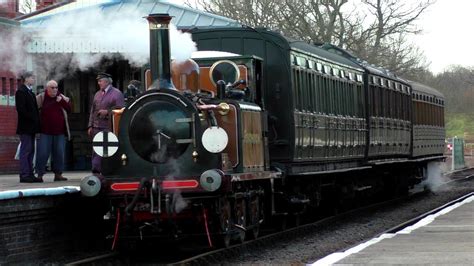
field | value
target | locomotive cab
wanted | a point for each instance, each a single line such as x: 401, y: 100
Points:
x: 236, y: 81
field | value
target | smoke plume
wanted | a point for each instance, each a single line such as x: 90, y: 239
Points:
x: 98, y: 35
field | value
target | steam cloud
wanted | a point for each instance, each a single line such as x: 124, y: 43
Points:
x: 435, y: 177
x: 113, y: 35
x: 178, y: 203
x: 12, y: 52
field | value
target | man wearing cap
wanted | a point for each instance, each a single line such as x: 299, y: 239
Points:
x: 105, y: 100
x: 28, y: 126
x: 133, y: 89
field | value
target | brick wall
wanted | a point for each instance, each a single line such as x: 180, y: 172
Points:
x: 40, y: 4
x: 9, y: 9
x: 8, y: 120
x: 41, y: 230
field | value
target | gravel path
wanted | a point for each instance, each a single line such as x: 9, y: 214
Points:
x: 345, y: 234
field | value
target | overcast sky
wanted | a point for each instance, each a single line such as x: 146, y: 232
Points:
x: 448, y: 34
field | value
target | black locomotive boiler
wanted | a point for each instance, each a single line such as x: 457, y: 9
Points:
x: 261, y: 129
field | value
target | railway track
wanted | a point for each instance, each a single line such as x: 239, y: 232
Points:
x: 217, y: 256
x: 224, y: 254
x: 100, y: 259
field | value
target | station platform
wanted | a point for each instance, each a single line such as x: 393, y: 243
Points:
x: 443, y: 238
x: 10, y: 186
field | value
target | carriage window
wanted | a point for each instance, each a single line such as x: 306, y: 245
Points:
x: 327, y: 69
x: 293, y: 60
x: 314, y: 92
x: 299, y: 90
x: 336, y: 100
x: 332, y: 97
x: 304, y: 90
x: 374, y: 100
x: 319, y: 67
x: 300, y: 61
x: 320, y: 93
x: 295, y: 88
x: 324, y: 94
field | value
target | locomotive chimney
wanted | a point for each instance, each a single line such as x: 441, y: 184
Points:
x: 160, y: 58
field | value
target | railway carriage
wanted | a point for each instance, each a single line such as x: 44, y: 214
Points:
x: 428, y: 121
x: 315, y: 99
x: 259, y: 129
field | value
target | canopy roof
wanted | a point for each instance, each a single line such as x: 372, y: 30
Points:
x: 183, y: 18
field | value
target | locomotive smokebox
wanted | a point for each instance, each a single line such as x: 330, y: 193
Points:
x: 160, y: 58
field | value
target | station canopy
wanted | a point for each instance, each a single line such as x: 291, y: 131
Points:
x: 81, y: 26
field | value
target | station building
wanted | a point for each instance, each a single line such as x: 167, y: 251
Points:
x: 8, y: 84
x: 56, y: 48
x: 12, y: 56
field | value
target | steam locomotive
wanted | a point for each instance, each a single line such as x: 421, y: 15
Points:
x: 262, y: 129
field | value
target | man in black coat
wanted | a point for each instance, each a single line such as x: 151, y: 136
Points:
x: 28, y: 126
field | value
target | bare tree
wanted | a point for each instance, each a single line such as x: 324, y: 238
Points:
x: 375, y: 31
x: 457, y: 85
x: 27, y: 6
x: 385, y: 39
x: 255, y: 13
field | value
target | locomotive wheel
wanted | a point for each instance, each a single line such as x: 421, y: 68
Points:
x: 240, y: 218
x: 254, y: 217
x: 225, y: 219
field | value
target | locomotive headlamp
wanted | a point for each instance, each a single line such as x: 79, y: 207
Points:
x: 90, y: 186
x: 214, y: 139
x: 211, y: 180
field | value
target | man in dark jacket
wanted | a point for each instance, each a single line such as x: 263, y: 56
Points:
x: 28, y: 126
